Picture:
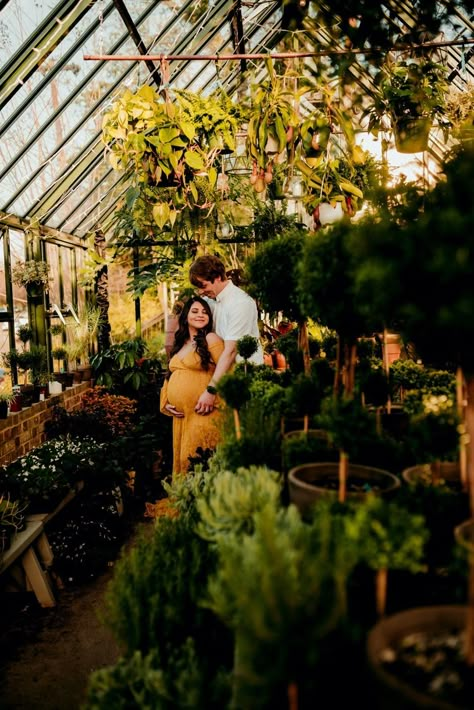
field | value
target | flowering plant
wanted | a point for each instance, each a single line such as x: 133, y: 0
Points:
x: 48, y: 472
x: 31, y: 273
x: 118, y: 412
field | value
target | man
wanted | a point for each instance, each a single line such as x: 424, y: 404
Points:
x: 234, y: 313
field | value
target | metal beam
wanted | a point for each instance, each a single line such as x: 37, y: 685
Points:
x: 39, y: 45
x: 140, y: 45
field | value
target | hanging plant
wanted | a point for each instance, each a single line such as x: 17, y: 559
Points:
x: 411, y: 94
x: 273, y: 123
x: 170, y: 144
x: 31, y: 273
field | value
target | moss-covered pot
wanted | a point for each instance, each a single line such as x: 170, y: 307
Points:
x: 391, y: 691
x: 309, y: 482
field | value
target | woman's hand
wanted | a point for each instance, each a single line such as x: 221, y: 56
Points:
x: 173, y: 411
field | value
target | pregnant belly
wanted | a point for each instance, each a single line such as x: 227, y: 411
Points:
x: 184, y: 390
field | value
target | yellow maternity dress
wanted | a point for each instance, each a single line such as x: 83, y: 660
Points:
x: 187, y: 382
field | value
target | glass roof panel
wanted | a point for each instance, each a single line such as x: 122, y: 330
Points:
x: 51, y: 158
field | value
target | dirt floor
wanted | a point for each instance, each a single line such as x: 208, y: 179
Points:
x: 47, y: 655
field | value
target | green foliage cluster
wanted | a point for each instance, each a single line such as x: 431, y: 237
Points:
x: 272, y: 274
x: 327, y: 287
x: 153, y: 601
x: 139, y: 682
x: 393, y: 537
x: 233, y: 499
x: 307, y: 447
x: 417, y: 271
x: 125, y: 368
x: 234, y: 388
x: 259, y: 444
x: 282, y: 591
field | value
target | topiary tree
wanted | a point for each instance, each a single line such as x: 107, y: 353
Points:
x: 273, y: 278
x: 327, y: 294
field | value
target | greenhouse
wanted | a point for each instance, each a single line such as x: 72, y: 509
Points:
x: 237, y: 354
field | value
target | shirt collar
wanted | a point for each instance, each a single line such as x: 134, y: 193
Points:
x: 225, y: 294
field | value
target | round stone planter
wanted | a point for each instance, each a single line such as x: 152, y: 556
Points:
x: 449, y: 472
x: 392, y: 690
x: 309, y: 482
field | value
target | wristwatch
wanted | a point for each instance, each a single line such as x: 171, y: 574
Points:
x: 211, y: 389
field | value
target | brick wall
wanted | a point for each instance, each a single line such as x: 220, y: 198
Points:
x: 23, y: 431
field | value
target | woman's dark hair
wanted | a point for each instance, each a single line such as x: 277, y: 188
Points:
x: 182, y: 332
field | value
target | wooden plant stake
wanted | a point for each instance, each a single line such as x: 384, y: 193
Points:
x: 461, y: 413
x: 292, y: 696
x: 238, y: 433
x: 343, y: 468
x: 381, y: 578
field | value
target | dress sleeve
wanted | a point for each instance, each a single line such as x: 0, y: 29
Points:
x: 216, y: 350
x: 164, y: 399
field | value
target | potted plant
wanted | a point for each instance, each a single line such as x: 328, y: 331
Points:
x: 5, y: 399
x: 336, y: 183
x: 34, y: 275
x: 410, y: 95
x: 164, y: 145
x: 12, y: 520
x: 273, y: 124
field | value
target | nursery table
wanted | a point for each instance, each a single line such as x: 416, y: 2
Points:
x: 26, y: 546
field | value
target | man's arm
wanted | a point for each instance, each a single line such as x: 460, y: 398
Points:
x: 205, y: 403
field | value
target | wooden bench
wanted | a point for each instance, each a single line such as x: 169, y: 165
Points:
x: 30, y: 544
x: 25, y: 548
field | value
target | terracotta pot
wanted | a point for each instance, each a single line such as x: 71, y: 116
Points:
x: 393, y: 693
x: 308, y: 482
x: 86, y: 372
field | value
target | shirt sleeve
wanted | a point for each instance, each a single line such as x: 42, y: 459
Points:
x: 239, y: 321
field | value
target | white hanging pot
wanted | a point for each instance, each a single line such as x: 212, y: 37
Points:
x: 330, y: 213
x: 272, y: 146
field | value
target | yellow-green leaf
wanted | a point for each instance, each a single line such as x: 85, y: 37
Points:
x: 194, y: 160
x: 161, y: 214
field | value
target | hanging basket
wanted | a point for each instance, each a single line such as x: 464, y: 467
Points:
x: 411, y: 134
x: 329, y: 213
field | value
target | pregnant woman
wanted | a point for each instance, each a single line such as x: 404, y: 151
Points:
x: 195, y: 352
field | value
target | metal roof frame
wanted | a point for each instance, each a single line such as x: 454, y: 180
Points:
x: 266, y: 23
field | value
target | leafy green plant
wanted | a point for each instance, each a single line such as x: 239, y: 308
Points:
x: 124, y: 367
x: 272, y: 116
x: 393, y: 539
x: 153, y: 602
x: 232, y: 499
x: 282, y: 591
x: 25, y: 333
x: 275, y: 264
x: 409, y: 91
x: 234, y: 388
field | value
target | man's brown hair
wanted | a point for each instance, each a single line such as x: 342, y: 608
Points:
x: 206, y: 268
